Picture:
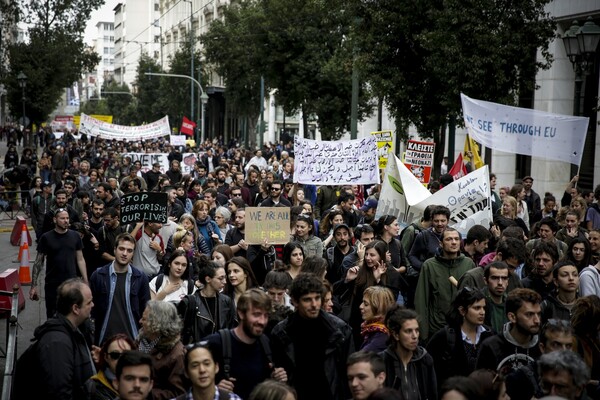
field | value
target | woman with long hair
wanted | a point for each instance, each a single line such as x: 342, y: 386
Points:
x: 93, y: 182
x: 36, y: 187
x: 327, y: 223
x: 100, y: 386
x: 509, y: 210
x: 454, y: 348
x: 387, y: 230
x: 585, y: 320
x: 160, y: 338
x: 221, y: 254
x: 175, y: 283
x: 293, y: 257
x: 304, y: 234
x: 571, y: 229
x: 377, y: 300
x: 579, y: 253
x: 579, y: 205
x: 206, y: 226
x: 372, y: 270
x: 240, y: 278
x: 519, y: 193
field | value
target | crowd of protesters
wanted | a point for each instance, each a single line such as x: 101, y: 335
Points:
x: 351, y: 307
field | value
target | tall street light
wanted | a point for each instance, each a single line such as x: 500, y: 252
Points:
x: 22, y: 79
x: 204, y: 100
x: 191, y: 55
x: 581, y: 44
x: 203, y: 96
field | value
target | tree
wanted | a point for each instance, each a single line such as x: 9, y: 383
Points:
x: 148, y: 90
x: 300, y: 47
x: 421, y: 54
x: 55, y: 55
x: 117, y: 100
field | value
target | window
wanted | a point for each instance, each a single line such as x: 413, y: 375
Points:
x: 106, y: 50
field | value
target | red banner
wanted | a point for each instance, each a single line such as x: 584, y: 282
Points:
x: 187, y: 127
x: 458, y: 169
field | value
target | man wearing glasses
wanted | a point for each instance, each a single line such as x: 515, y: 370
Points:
x: 275, y: 198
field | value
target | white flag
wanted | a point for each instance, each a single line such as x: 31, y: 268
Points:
x: 525, y: 131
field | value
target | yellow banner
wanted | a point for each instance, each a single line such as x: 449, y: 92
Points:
x: 103, y: 118
x: 385, y: 144
x: 471, y: 153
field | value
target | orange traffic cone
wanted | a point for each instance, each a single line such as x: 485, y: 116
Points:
x: 24, y: 241
x: 24, y: 273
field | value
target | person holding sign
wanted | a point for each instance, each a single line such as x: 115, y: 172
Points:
x: 235, y: 237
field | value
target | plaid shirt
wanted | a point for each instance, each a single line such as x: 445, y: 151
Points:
x: 232, y: 396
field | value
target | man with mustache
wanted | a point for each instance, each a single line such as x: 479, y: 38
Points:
x: 517, y: 344
x: 134, y: 375
x: 244, y: 353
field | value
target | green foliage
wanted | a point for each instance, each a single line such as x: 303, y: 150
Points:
x: 117, y: 102
x: 422, y: 54
x: 55, y: 55
x: 300, y: 47
x: 148, y: 91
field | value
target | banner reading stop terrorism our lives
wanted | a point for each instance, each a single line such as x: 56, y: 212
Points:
x: 467, y: 198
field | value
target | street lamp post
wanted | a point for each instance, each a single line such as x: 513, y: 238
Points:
x: 22, y: 79
x: 203, y: 96
x: 191, y: 55
x: 204, y: 100
x: 581, y: 44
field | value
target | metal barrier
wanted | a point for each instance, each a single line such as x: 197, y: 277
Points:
x: 11, y: 341
x: 14, y: 203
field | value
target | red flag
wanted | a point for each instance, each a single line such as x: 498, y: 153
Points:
x: 458, y: 169
x: 187, y: 127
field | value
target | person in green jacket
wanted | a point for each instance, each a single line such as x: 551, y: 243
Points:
x: 437, y: 285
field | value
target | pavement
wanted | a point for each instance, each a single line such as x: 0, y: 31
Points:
x: 34, y: 313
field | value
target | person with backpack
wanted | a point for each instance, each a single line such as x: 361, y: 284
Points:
x: 175, y: 283
x: 454, y: 347
x: 57, y: 365
x: 244, y: 353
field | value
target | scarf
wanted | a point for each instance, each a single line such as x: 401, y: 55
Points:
x: 375, y: 325
x: 146, y: 346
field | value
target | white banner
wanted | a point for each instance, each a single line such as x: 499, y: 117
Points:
x: 178, y: 140
x: 104, y: 130
x: 524, y: 131
x: 148, y: 159
x: 336, y: 163
x: 467, y: 198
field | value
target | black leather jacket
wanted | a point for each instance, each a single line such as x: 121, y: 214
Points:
x: 197, y: 320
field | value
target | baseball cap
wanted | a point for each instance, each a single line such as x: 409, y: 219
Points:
x: 370, y: 203
x: 341, y: 226
x: 45, y: 184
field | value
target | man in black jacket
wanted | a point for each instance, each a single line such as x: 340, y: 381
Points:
x: 65, y: 361
x: 312, y: 345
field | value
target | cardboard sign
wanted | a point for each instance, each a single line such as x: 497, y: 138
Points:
x: 271, y: 223
x: 146, y: 206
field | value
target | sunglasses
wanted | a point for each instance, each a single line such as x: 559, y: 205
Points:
x: 274, y: 189
x: 115, y: 355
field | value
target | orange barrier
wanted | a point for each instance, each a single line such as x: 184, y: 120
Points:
x: 17, y: 236
x: 24, y: 270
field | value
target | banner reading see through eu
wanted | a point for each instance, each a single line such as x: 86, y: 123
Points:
x: 524, y: 131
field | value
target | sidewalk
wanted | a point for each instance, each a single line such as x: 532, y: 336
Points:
x: 34, y: 313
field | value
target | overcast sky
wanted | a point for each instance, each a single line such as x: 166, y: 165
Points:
x: 104, y: 13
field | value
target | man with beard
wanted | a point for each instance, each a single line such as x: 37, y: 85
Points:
x: 335, y: 255
x: 544, y: 256
x: 244, y: 353
x: 275, y: 196
x: 222, y: 185
x: 235, y: 237
x: 63, y: 249
x: 313, y: 345
x: 96, y: 221
x: 435, y: 289
x: 60, y: 202
x: 427, y: 242
x: 252, y: 185
x: 517, y: 344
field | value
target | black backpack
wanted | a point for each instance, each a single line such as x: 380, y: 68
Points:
x: 27, y: 372
x: 226, y: 350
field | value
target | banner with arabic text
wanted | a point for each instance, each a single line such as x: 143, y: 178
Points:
x: 341, y: 162
x: 104, y: 130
